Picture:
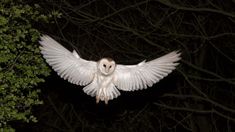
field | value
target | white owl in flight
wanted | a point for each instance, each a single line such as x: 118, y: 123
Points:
x: 104, y: 78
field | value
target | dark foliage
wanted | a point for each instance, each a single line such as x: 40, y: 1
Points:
x: 21, y: 64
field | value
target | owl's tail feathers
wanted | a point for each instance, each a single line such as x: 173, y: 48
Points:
x: 91, y: 89
x: 112, y: 92
x: 108, y: 93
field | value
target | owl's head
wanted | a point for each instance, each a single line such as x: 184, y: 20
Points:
x: 106, y: 66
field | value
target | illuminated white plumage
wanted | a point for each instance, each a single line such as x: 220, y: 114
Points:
x: 104, y: 79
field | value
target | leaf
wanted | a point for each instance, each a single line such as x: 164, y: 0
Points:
x: 3, y: 21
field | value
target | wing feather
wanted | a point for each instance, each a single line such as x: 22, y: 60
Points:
x: 145, y: 74
x: 68, y: 65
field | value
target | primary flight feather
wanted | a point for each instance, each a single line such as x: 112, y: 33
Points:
x: 102, y: 79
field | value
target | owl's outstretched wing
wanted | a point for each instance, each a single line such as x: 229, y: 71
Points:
x: 145, y: 74
x: 68, y: 65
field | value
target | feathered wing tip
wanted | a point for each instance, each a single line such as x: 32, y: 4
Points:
x: 176, y: 55
x: 171, y: 58
x: 145, y: 74
x: 48, y: 44
x: 165, y: 65
x: 45, y: 39
x: 66, y: 63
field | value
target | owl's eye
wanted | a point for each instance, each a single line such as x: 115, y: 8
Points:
x: 104, y: 65
x: 110, y: 66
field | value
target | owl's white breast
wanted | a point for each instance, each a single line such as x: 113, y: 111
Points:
x: 104, y: 81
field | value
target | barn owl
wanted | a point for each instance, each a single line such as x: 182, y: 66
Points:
x: 104, y: 79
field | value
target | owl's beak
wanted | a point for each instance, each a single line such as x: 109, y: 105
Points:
x: 107, y: 70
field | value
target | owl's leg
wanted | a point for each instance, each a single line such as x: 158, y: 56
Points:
x: 97, y: 99
x: 100, y: 95
x: 106, y: 100
x: 105, y: 96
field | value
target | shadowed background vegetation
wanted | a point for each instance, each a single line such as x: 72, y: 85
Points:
x: 198, y: 96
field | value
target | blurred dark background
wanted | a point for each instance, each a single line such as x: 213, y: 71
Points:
x: 197, y: 97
